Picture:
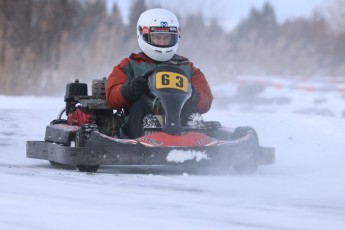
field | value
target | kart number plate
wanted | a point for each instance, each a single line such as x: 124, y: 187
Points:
x: 171, y: 80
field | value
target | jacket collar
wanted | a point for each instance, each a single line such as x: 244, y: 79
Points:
x: 176, y: 59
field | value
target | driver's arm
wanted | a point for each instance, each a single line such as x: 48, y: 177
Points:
x: 205, y: 94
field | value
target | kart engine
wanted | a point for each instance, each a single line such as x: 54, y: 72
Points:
x: 82, y: 109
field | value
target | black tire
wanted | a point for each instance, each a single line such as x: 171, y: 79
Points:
x: 246, y: 159
x: 60, y: 165
x: 63, y: 166
x: 56, y: 164
x: 80, y: 141
x: 242, y: 131
x: 245, y: 163
x: 88, y: 168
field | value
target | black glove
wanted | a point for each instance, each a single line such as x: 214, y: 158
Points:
x: 133, y: 89
x: 148, y: 72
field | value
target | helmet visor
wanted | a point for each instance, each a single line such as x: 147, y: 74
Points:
x: 161, y: 36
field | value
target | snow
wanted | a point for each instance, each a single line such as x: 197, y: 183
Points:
x: 181, y: 156
x: 304, y: 189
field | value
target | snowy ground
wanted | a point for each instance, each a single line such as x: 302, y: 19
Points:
x: 305, y: 189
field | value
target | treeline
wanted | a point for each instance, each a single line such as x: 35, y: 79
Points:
x: 45, y: 44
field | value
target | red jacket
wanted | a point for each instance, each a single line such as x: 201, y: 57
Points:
x: 136, y: 64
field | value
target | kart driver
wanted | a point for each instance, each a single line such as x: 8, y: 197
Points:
x: 158, y: 35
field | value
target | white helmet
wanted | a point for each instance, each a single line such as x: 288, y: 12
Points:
x: 158, y: 34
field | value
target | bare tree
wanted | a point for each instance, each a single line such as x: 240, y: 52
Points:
x: 336, y: 15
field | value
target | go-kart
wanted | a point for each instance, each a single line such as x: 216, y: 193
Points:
x: 92, y: 133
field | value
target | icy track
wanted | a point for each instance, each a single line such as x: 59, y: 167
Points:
x: 305, y: 189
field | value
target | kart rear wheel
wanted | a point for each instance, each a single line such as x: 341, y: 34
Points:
x: 60, y: 165
x: 80, y: 141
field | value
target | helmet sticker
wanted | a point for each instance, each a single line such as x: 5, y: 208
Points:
x: 146, y: 30
x: 164, y: 24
